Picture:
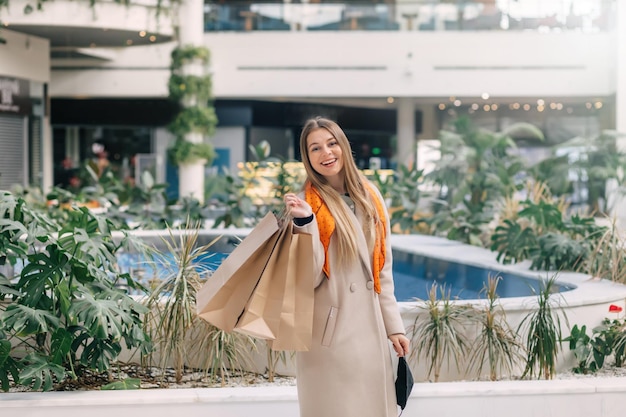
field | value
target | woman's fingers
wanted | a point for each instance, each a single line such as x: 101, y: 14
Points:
x: 296, y: 206
x: 400, y: 344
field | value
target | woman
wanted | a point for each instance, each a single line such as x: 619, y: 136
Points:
x: 348, y: 370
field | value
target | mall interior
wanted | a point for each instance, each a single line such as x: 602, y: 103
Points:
x: 77, y: 77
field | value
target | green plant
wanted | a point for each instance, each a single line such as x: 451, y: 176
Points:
x: 221, y: 351
x: 542, y: 330
x: 589, y: 353
x: 541, y: 232
x: 558, y: 252
x: 172, y: 302
x: 198, y: 119
x: 405, y: 194
x: 181, y: 337
x: 591, y: 161
x: 496, y: 345
x: 476, y: 169
x: 180, y: 86
x: 66, y: 308
x: 187, y: 54
x: 462, y: 223
x: 612, y: 335
x: 512, y: 241
x: 239, y: 205
x: 607, y: 258
x: 243, y: 206
x: 437, y: 334
x: 185, y: 152
x: 196, y: 115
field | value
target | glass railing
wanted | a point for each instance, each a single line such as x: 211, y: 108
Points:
x: 412, y: 15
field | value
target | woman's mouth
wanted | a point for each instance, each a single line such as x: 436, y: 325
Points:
x: 329, y: 162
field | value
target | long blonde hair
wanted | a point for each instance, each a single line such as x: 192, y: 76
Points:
x: 354, y: 185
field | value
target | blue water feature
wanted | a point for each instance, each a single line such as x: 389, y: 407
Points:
x: 144, y: 269
x: 415, y: 274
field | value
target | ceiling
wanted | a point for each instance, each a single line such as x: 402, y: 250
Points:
x: 84, y: 37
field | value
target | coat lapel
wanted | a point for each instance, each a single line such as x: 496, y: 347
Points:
x: 364, y: 254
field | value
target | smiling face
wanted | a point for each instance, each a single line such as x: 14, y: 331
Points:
x: 325, y: 155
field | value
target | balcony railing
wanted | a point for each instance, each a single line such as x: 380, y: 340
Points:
x: 412, y: 15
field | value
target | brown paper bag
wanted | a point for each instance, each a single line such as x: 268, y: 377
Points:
x: 261, y: 316
x: 223, y: 297
x: 296, y: 318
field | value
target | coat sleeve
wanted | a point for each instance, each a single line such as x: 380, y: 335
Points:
x: 387, y: 298
x: 318, y: 248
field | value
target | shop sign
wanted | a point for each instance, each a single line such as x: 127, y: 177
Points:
x: 14, y: 96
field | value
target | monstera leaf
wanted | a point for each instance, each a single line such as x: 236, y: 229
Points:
x: 557, y: 252
x: 125, y: 384
x: 512, y: 242
x: 8, y: 366
x: 25, y: 320
x: 39, y: 373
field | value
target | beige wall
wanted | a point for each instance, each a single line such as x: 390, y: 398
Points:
x: 25, y: 57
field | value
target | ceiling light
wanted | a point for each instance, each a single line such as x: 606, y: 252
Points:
x: 485, y: 96
x: 390, y: 100
x: 142, y: 34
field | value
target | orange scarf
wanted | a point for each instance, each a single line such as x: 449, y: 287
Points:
x: 326, y: 226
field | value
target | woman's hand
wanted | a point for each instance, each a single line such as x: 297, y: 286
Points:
x: 297, y: 207
x: 400, y: 344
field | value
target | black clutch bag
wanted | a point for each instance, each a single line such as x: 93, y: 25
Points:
x: 404, y: 382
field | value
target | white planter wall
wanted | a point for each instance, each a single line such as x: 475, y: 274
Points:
x: 593, y: 397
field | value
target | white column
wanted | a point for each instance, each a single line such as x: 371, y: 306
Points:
x: 191, y: 32
x: 619, y: 207
x: 620, y: 72
x: 191, y: 22
x: 191, y: 181
x: 406, y: 131
x: 47, y: 158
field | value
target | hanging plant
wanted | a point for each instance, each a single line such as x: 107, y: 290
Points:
x: 187, y: 54
x: 185, y: 152
x: 191, y: 85
x: 198, y: 118
x: 194, y: 119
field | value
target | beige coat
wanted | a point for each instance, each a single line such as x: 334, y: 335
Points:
x: 348, y: 371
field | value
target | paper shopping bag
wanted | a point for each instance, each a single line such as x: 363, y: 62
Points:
x: 222, y: 299
x: 296, y: 318
x: 261, y: 315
